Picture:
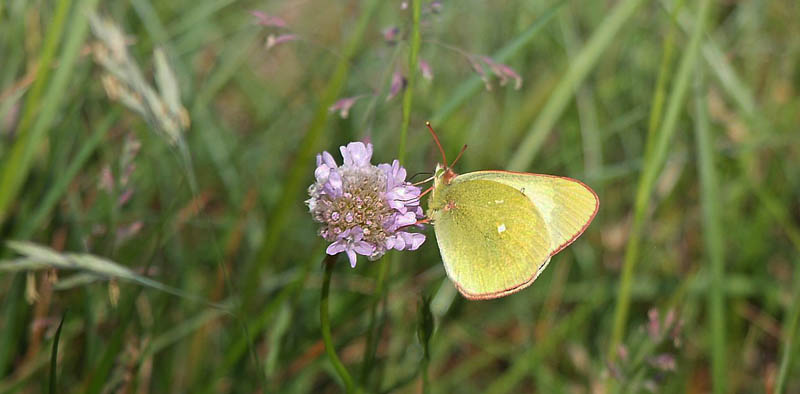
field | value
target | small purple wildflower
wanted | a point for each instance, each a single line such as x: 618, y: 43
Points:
x: 344, y: 105
x: 399, y: 83
x: 363, y: 208
x: 503, y: 72
x: 476, y: 65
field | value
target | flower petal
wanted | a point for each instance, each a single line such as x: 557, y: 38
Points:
x: 414, y: 240
x: 398, y: 242
x: 356, y: 234
x: 351, y: 254
x: 356, y: 154
x: 328, y: 160
x: 336, y: 247
x: 334, y: 184
x: 364, y: 248
x: 344, y: 105
x: 405, y: 219
x: 322, y: 173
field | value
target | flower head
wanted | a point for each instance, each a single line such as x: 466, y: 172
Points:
x: 363, y: 208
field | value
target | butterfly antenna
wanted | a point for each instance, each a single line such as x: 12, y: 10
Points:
x: 428, y: 190
x: 459, y: 155
x: 438, y: 144
x: 418, y: 174
x: 423, y: 181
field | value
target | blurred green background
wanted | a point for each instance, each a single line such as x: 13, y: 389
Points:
x: 153, y: 168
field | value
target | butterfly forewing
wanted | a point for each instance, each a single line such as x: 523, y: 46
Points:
x: 567, y: 205
x: 493, y: 239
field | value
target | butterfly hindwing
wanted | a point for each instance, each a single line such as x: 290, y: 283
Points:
x: 567, y: 205
x: 493, y: 240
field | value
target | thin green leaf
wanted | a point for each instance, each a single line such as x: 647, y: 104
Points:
x: 54, y: 357
x: 712, y: 232
x: 40, y: 112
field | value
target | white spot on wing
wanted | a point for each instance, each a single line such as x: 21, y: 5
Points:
x: 498, y: 201
x: 501, y: 228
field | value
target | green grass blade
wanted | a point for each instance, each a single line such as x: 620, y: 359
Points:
x: 31, y: 127
x: 408, y: 94
x: 54, y: 357
x: 790, y: 335
x: 14, y: 312
x: 39, y: 114
x: 664, y: 72
x: 578, y: 69
x: 650, y: 172
x: 712, y: 232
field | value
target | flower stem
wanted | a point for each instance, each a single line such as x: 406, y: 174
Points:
x: 370, y: 349
x: 325, y: 326
x: 416, y: 6
x: 425, y: 379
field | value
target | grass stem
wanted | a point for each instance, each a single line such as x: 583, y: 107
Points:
x: 712, y: 232
x: 408, y: 94
x: 652, y: 167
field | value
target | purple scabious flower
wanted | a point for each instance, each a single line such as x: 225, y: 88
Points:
x: 363, y: 208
